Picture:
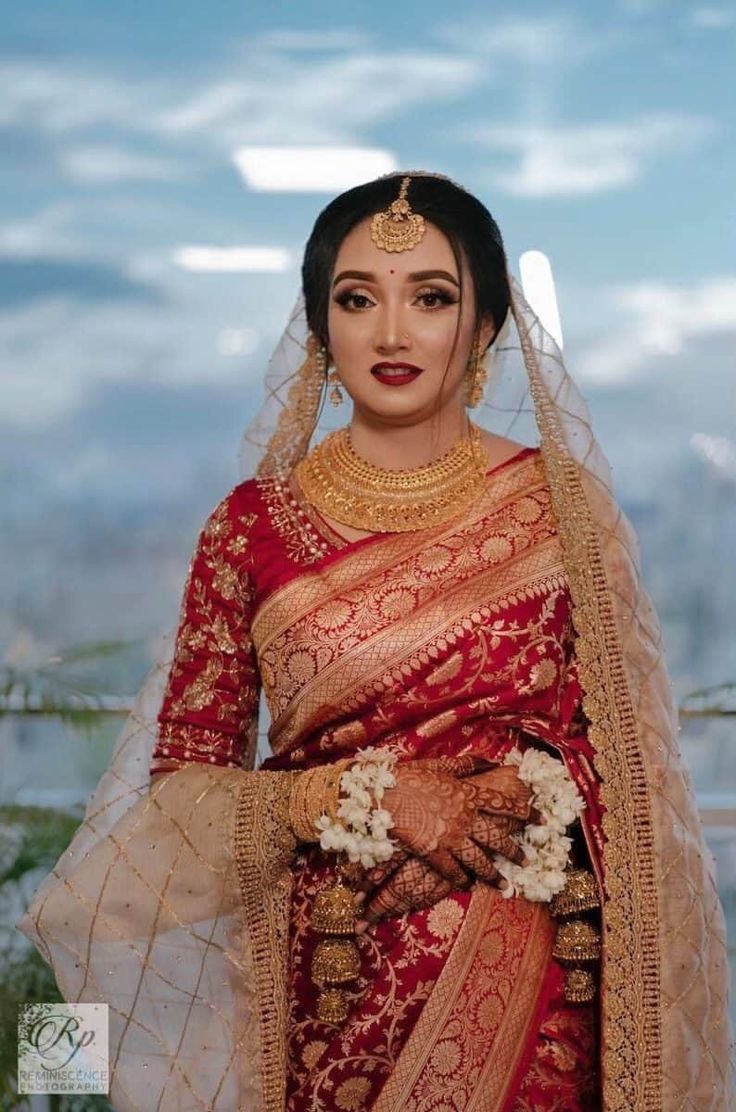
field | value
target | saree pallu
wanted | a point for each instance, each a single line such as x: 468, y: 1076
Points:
x: 182, y: 902
x: 458, y: 640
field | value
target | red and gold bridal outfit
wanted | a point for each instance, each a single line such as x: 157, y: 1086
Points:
x: 456, y: 639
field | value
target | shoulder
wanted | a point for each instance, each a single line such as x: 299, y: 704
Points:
x: 234, y: 515
x: 501, y: 449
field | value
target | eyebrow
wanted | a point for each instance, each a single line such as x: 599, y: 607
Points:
x: 417, y: 276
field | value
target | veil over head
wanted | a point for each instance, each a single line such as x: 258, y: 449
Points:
x: 664, y: 978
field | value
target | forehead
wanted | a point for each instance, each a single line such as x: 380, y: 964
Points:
x: 359, y: 252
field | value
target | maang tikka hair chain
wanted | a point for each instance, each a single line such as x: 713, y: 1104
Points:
x: 397, y: 228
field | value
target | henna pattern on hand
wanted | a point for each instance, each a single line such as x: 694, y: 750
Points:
x: 412, y: 887
x: 451, y: 815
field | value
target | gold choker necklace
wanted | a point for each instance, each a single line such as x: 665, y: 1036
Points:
x: 354, y: 492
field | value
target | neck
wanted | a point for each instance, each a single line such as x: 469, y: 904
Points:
x: 404, y: 447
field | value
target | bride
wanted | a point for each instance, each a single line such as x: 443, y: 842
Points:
x: 471, y: 874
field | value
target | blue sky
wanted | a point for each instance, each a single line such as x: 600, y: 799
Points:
x: 602, y: 134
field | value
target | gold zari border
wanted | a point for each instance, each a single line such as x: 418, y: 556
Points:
x: 487, y: 1088
x: 630, y: 990
x: 264, y: 844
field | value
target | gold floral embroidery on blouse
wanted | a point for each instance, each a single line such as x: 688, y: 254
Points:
x: 211, y: 697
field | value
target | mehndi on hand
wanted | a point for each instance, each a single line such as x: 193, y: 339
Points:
x: 452, y: 822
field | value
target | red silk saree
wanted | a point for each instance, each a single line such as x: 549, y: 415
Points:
x: 454, y: 640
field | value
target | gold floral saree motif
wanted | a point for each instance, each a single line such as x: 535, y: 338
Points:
x: 477, y: 1021
x: 445, y: 642
x: 346, y: 635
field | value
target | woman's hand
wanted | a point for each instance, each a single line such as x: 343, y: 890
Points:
x: 449, y: 820
x: 406, y: 883
x: 448, y: 833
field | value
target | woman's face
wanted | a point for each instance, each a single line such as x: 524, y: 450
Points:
x: 392, y: 322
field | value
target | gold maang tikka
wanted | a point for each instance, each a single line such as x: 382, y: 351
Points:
x: 397, y: 228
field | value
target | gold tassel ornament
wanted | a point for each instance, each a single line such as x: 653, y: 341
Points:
x: 336, y: 959
x: 578, y: 941
x: 579, y: 894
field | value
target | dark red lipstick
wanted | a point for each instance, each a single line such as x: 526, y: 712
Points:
x: 395, y: 374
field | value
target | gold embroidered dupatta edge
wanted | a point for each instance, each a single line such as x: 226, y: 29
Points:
x: 651, y: 823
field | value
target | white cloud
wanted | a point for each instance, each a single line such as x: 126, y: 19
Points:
x: 311, y: 169
x: 57, y: 351
x: 231, y: 260
x: 537, y: 40
x: 45, y: 233
x: 307, y: 101
x: 712, y: 18
x: 60, y: 100
x: 654, y: 320
x: 575, y: 159
x: 107, y: 164
x: 266, y: 92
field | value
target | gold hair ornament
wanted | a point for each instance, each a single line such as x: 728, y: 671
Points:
x: 397, y: 228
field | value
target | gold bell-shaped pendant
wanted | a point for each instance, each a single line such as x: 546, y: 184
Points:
x: 336, y: 958
x: 578, y: 944
x: 579, y: 894
x: 579, y: 985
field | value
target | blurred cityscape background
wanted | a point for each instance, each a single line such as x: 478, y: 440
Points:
x: 163, y: 168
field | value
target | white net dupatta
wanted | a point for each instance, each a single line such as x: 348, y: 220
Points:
x: 664, y: 992
x: 160, y: 908
x: 665, y: 1025
x: 172, y: 904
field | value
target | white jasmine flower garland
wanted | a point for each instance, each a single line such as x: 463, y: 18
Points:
x: 547, y: 847
x: 363, y: 832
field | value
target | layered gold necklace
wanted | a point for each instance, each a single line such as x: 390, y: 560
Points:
x: 348, y: 489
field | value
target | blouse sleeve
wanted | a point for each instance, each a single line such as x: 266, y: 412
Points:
x: 210, y: 706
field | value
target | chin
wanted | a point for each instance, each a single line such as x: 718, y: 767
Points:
x: 401, y: 410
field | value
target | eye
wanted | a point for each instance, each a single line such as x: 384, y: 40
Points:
x: 435, y: 298
x: 353, y: 301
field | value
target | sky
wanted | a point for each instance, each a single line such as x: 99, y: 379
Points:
x: 601, y: 134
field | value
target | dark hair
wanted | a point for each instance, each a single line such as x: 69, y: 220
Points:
x: 467, y: 224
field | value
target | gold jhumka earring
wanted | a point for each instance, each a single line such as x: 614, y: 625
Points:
x: 333, y: 381
x: 397, y: 228
x: 476, y: 375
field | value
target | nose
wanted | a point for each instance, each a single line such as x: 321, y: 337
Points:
x: 391, y: 334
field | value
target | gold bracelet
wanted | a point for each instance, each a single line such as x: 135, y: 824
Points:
x: 298, y: 813
x: 316, y: 792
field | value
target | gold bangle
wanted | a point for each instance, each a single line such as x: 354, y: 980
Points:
x: 298, y: 811
x: 316, y: 792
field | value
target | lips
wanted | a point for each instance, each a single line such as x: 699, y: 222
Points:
x: 395, y: 374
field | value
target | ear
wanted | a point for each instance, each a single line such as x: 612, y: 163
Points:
x: 486, y: 331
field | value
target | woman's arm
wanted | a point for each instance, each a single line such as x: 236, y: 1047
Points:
x: 210, y: 706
